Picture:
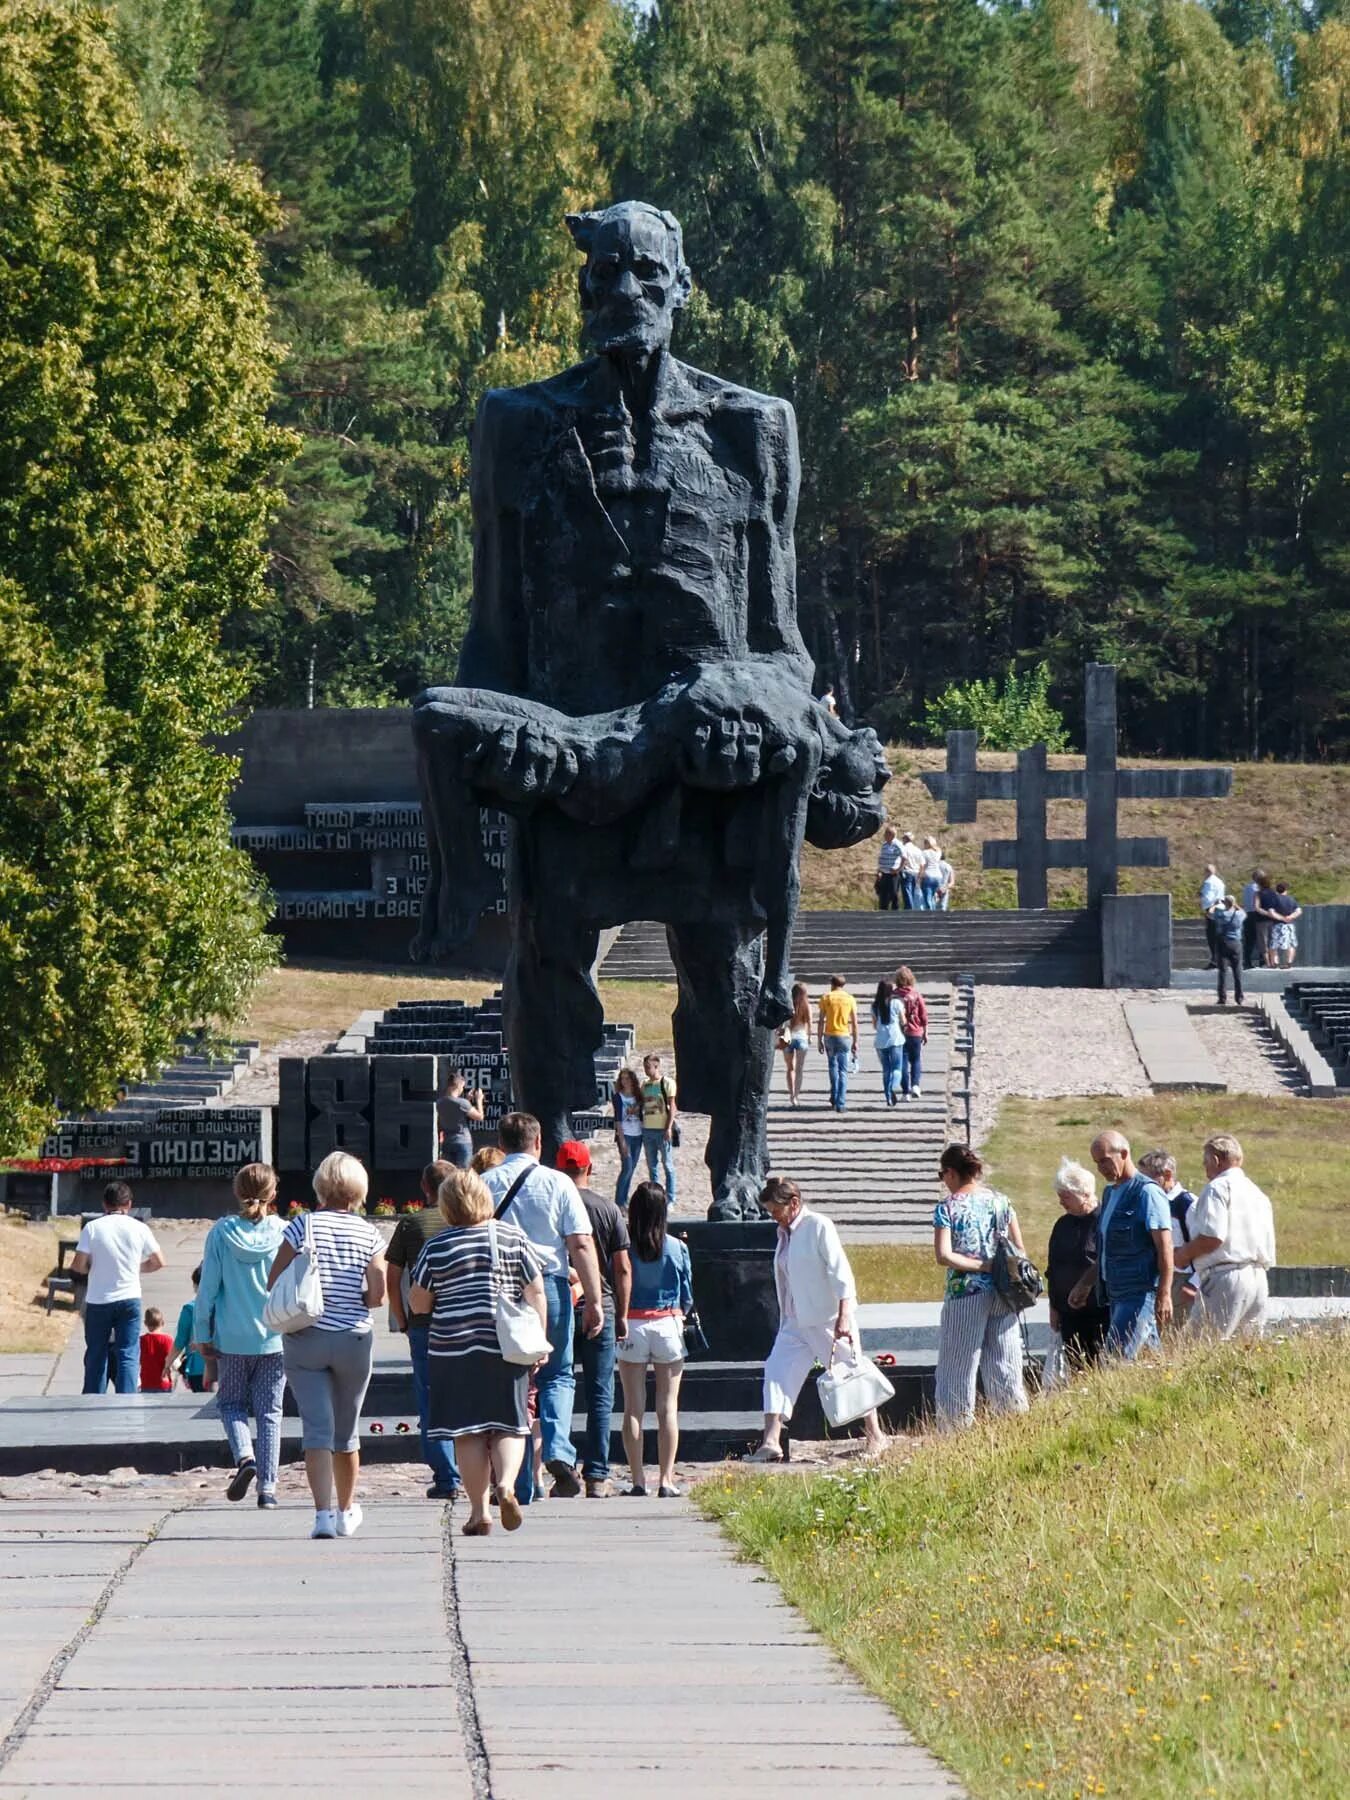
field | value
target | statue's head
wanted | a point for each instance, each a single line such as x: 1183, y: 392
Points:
x: 634, y: 279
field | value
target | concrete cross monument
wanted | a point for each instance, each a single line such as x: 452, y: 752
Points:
x: 1102, y: 784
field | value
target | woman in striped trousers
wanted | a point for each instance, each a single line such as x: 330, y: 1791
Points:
x: 977, y: 1336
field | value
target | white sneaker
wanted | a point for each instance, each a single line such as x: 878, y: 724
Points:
x: 916, y: 1093
x: 349, y: 1522
x: 325, y: 1524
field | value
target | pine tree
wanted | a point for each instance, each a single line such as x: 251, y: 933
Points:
x: 135, y: 488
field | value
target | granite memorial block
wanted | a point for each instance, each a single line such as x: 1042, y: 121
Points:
x: 634, y: 692
x: 338, y: 1094
x: 403, y: 1104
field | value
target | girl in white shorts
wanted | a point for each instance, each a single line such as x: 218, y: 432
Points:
x: 663, y: 1293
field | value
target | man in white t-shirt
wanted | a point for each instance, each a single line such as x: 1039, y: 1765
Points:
x: 1212, y: 891
x: 1232, y: 1244
x: 911, y: 867
x: 548, y: 1209
x: 114, y: 1252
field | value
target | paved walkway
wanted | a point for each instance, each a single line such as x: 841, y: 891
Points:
x: 602, y: 1650
x: 1174, y: 1058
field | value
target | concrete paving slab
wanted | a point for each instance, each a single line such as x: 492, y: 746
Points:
x: 1174, y: 1057
x: 468, y: 1697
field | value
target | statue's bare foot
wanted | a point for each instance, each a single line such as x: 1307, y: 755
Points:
x: 737, y: 1200
x: 774, y: 1006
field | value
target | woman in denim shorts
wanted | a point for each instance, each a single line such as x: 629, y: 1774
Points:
x: 663, y: 1293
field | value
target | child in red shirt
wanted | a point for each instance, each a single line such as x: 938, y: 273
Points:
x: 156, y: 1351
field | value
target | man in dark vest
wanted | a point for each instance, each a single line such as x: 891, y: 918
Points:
x: 634, y: 689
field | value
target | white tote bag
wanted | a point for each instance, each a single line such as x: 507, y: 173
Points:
x: 520, y: 1331
x: 297, y: 1299
x: 1055, y: 1368
x: 852, y: 1387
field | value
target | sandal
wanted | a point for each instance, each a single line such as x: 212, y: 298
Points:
x: 765, y: 1455
x: 635, y: 1493
x: 509, y: 1508
x: 477, y: 1528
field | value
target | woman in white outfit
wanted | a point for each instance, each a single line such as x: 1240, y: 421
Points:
x: 1231, y: 1245
x: 816, y: 1299
x: 977, y: 1334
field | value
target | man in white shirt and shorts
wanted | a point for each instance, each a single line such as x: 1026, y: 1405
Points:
x: 114, y: 1252
x: 1232, y: 1244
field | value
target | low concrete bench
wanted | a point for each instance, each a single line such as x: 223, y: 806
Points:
x: 58, y: 1283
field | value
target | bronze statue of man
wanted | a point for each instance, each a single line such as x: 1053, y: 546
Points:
x: 634, y: 690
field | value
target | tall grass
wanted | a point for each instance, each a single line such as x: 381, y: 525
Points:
x: 1137, y: 1589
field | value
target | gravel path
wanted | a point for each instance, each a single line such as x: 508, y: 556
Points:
x: 1044, y: 1042
x: 1248, y: 1056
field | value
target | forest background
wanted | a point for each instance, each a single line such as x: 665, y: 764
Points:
x: 1058, y: 291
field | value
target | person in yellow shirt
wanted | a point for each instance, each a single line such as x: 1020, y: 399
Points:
x: 838, y: 1037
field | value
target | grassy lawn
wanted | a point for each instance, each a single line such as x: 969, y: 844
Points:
x: 328, y: 996
x: 1297, y: 1150
x: 1289, y: 816
x: 1136, y: 1589
x: 27, y: 1252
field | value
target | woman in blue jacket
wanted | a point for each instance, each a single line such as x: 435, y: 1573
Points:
x: 239, y: 1253
x: 661, y: 1299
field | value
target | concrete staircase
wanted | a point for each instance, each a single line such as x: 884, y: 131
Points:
x: 1035, y: 949
x: 872, y: 1168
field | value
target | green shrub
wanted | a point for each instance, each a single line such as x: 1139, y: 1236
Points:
x: 1012, y: 717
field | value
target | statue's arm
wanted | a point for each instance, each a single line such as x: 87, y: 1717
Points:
x: 772, y: 628
x: 494, y: 651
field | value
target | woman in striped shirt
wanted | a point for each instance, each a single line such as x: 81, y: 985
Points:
x: 328, y: 1363
x: 475, y: 1396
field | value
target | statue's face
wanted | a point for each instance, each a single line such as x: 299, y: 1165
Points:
x: 632, y: 285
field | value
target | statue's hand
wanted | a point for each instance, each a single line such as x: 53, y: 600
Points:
x: 519, y: 761
x: 723, y: 753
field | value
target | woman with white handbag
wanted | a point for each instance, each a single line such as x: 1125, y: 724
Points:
x: 482, y: 1284
x: 328, y: 1274
x: 816, y: 1300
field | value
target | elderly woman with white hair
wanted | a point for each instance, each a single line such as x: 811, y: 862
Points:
x: 328, y: 1363
x: 1071, y: 1260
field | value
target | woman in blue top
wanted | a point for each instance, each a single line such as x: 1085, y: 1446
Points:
x: 888, y: 1020
x: 229, y: 1315
x: 663, y: 1292
x: 977, y: 1334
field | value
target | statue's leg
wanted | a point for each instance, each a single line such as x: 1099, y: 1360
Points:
x: 778, y: 882
x: 553, y: 1017
x: 723, y: 1059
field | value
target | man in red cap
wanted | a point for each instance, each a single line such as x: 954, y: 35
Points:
x: 597, y: 1354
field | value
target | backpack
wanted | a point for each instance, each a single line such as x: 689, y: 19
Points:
x: 913, y: 1023
x: 1017, y: 1280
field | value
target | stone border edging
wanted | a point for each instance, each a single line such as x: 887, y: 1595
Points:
x: 1314, y: 1067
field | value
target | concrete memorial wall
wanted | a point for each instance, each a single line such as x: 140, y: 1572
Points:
x: 182, y: 1160
x: 327, y: 806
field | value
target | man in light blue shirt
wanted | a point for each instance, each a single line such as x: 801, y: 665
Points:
x: 545, y: 1205
x: 1134, y: 1251
x: 888, y: 872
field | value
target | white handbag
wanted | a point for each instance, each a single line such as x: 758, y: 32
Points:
x: 521, y: 1337
x: 297, y: 1299
x: 852, y: 1388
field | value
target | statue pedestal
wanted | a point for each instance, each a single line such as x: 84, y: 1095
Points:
x: 733, y: 1285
